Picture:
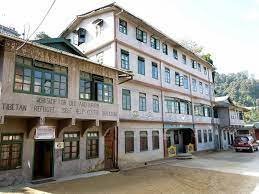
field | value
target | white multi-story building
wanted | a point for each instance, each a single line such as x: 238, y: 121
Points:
x: 169, y: 100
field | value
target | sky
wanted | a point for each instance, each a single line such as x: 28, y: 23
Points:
x: 228, y: 29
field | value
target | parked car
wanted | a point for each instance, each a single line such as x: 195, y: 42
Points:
x: 245, y: 142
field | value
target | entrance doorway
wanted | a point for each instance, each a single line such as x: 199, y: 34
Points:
x: 109, y: 142
x: 180, y: 138
x: 43, y: 160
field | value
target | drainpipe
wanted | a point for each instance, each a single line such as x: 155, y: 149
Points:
x: 192, y: 111
x: 162, y: 106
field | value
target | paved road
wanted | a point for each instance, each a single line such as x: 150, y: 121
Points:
x: 207, y: 173
x: 244, y: 163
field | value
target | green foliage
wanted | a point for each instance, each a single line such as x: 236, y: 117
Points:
x: 252, y: 116
x: 239, y: 86
x: 207, y: 57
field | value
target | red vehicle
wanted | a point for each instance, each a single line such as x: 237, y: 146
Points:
x: 245, y: 142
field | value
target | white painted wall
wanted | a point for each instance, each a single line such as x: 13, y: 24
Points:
x: 203, y: 145
x: 131, y: 159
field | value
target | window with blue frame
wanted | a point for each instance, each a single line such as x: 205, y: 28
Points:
x: 155, y: 103
x: 155, y: 43
x: 141, y: 35
x: 167, y: 75
x: 142, y: 102
x: 141, y: 66
x: 125, y: 60
x: 123, y: 26
x: 185, y: 82
x: 165, y: 48
x: 154, y: 70
x: 175, y: 54
x: 126, y: 99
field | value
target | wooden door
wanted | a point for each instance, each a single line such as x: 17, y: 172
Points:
x: 109, y: 150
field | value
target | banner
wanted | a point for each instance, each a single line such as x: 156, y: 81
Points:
x: 45, y: 132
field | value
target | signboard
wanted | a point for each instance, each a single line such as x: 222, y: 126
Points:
x: 59, y: 145
x: 172, y: 151
x: 45, y: 132
x: 190, y: 148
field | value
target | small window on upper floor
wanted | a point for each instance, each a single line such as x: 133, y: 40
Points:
x: 175, y: 53
x: 167, y: 75
x: 185, y: 82
x: 177, y: 79
x: 141, y: 66
x: 199, y: 67
x: 155, y: 43
x: 141, y: 35
x: 194, y: 85
x: 125, y: 60
x: 206, y: 89
x: 165, y: 49
x: 81, y: 35
x: 123, y: 26
x: 201, y: 87
x: 98, y: 26
x: 194, y: 64
x: 184, y: 59
x: 205, y: 70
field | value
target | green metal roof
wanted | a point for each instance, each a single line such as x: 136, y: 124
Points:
x: 60, y: 44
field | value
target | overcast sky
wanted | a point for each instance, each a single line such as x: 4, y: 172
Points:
x: 228, y: 29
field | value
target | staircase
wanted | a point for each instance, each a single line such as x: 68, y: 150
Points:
x: 184, y: 156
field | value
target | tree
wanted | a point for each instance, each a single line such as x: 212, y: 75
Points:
x: 252, y: 116
x: 41, y: 35
x: 197, y: 49
x: 207, y: 57
x: 192, y: 46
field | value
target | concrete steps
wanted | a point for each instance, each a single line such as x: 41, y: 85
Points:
x: 184, y: 156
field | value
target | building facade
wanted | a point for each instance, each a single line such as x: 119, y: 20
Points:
x: 58, y: 113
x: 230, y: 120
x: 168, y: 102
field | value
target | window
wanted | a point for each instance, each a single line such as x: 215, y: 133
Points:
x: 177, y: 106
x: 126, y: 100
x: 194, y: 85
x: 201, y: 87
x: 94, y: 87
x: 155, y: 104
x: 210, y: 135
x: 143, y: 141
x: 169, y: 108
x: 98, y: 27
x: 184, y: 59
x: 11, y: 151
x: 205, y: 70
x: 92, y: 145
x: 155, y: 43
x: 206, y: 89
x: 205, y: 136
x: 165, y: 49
x: 104, y: 92
x: 177, y: 79
x: 71, y: 146
x: 129, y: 141
x: 194, y: 64
x: 125, y: 60
x: 123, y: 26
x: 155, y: 140
x: 185, y: 82
x: 141, y: 35
x: 175, y: 54
x: 142, y: 102
x: 241, y: 115
x: 85, y: 86
x: 37, y: 77
x: 199, y: 67
x: 81, y: 35
x: 154, y: 71
x: 199, y: 136
x: 99, y: 58
x: 183, y: 107
x: 167, y: 75
x: 141, y: 66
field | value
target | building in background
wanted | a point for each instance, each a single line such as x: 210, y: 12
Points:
x: 58, y: 113
x: 230, y: 120
x: 169, y: 101
x: 8, y: 31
